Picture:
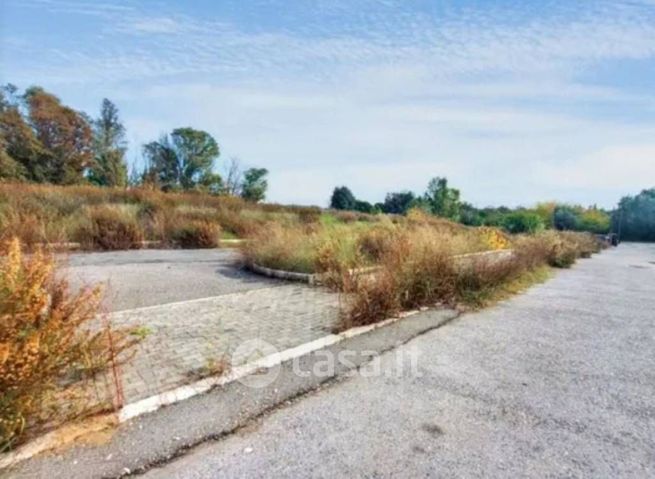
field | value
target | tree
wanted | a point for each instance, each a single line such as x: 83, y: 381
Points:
x: 342, y: 199
x: 634, y: 218
x: 398, y: 203
x: 254, y: 184
x: 233, y: 178
x: 181, y: 159
x: 109, y: 167
x: 442, y: 200
x: 470, y: 215
x: 595, y: 220
x: 566, y: 218
x: 19, y: 148
x: 523, y: 222
x: 364, y: 206
x: 64, y: 135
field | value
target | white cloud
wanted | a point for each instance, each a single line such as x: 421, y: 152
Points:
x: 384, y: 98
x: 155, y: 25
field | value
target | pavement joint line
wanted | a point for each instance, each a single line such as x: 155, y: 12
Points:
x: 190, y: 301
x: 151, y: 404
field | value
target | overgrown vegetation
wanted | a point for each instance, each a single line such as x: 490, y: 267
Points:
x: 418, y: 269
x: 44, y: 141
x: 443, y: 201
x: 634, y: 219
x: 116, y: 218
x: 330, y: 245
x: 48, y: 347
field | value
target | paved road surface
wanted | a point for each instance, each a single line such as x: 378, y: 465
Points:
x: 217, y: 307
x: 558, y: 382
x: 147, y: 277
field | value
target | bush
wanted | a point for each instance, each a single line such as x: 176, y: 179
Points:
x: 416, y: 269
x: 111, y: 228
x: 44, y: 340
x: 376, y: 242
x: 523, y: 222
x: 197, y: 234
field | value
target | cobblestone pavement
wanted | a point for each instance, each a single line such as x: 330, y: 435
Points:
x: 185, y: 341
x: 194, y: 307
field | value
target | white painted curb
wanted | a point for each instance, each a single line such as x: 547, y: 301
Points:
x: 150, y: 404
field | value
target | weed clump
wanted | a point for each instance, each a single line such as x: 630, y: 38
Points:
x: 45, y: 340
x: 111, y: 228
x: 197, y: 234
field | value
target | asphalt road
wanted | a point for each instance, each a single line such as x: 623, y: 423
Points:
x: 557, y: 382
x: 138, y: 278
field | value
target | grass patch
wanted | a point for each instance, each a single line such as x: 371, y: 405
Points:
x: 504, y: 290
x: 114, y: 218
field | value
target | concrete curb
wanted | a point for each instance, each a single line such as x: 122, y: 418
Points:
x: 317, y: 278
x: 217, y: 405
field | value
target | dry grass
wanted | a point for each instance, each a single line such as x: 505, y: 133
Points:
x: 419, y: 268
x: 331, y: 246
x: 46, y: 347
x: 42, y: 214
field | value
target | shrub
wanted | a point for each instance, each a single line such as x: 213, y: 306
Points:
x: 43, y: 340
x: 277, y: 247
x: 523, y: 222
x: 197, y: 234
x: 376, y: 242
x: 369, y: 299
x: 415, y: 270
x: 111, y: 228
x: 309, y: 215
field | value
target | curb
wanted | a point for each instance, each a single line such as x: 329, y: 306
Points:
x: 213, y: 386
x: 317, y: 278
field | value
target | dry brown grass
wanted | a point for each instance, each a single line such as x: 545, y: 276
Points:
x: 111, y: 228
x: 42, y: 214
x: 197, y: 234
x: 419, y: 268
x: 45, y: 344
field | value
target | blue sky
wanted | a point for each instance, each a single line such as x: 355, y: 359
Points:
x: 513, y: 101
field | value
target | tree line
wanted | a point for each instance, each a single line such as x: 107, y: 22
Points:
x: 442, y: 200
x: 45, y: 141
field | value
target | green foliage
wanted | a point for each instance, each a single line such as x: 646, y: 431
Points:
x: 523, y: 222
x: 442, y: 200
x: 398, y: 203
x: 635, y: 217
x: 342, y: 199
x: 254, y: 184
x: 469, y: 215
x: 180, y: 160
x: 566, y: 218
x: 109, y: 167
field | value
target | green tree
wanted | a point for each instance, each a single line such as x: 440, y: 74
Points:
x: 399, y: 202
x: 254, y: 184
x: 523, y: 221
x: 109, y: 167
x: 19, y: 148
x: 181, y: 159
x: 442, y: 200
x: 65, y: 137
x: 342, y: 199
x: 470, y: 215
x: 634, y: 218
x: 566, y: 217
x: 595, y: 220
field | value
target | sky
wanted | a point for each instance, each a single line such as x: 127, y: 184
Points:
x: 514, y: 102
